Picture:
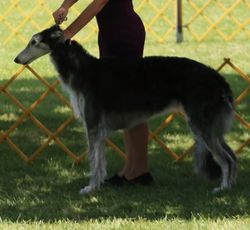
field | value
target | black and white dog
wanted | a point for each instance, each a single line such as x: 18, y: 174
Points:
x: 115, y: 93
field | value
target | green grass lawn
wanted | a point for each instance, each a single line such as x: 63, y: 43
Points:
x: 44, y: 194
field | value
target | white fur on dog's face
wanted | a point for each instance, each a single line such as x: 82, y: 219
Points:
x: 33, y: 50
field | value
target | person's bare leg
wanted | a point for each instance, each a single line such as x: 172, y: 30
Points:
x: 136, y: 143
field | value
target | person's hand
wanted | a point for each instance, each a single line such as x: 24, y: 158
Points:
x: 60, y: 15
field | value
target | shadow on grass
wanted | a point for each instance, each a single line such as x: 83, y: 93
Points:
x: 47, y: 190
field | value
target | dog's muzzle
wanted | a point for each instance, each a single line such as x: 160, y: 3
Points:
x: 16, y: 60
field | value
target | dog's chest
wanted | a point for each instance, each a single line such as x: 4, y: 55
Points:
x: 77, y: 101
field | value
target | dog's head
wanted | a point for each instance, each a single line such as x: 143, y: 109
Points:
x: 40, y: 44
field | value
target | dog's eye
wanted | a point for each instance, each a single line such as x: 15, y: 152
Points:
x: 33, y: 42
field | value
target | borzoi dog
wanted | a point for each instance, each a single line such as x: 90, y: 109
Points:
x: 117, y: 93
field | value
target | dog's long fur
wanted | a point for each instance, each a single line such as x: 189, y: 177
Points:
x: 115, y: 93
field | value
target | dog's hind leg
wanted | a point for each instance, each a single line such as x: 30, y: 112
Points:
x: 203, y: 160
x: 222, y: 153
x: 97, y: 160
x: 214, y: 157
x: 211, y: 128
x: 224, y: 157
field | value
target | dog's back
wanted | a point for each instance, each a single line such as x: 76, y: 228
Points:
x: 154, y: 82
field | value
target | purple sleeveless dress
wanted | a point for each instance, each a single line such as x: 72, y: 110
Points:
x: 121, y: 31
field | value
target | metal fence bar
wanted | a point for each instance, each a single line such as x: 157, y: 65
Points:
x: 179, y: 31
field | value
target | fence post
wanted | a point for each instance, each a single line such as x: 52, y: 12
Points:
x: 179, y: 32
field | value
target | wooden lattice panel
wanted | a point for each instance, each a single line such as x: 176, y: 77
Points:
x: 221, y: 17
x: 18, y: 18
x: 53, y: 136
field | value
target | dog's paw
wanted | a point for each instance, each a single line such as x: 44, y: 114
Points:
x: 217, y: 190
x: 86, y: 190
x: 233, y: 180
x: 220, y: 189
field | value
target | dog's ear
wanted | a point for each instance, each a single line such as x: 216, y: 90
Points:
x: 55, y: 27
x: 57, y: 33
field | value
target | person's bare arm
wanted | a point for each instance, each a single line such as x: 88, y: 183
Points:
x: 83, y: 19
x: 68, y: 3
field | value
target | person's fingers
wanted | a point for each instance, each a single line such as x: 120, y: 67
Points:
x: 60, y: 20
x: 56, y: 17
x: 60, y: 15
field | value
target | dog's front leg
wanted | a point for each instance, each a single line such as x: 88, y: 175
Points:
x: 96, y: 159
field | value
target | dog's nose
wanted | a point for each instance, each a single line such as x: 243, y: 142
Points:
x: 16, y: 60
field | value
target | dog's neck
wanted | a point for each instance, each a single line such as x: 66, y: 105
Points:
x: 71, y: 61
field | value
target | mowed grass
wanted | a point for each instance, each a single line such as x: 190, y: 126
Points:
x: 44, y: 194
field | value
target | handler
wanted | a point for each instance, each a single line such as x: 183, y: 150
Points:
x: 121, y: 34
